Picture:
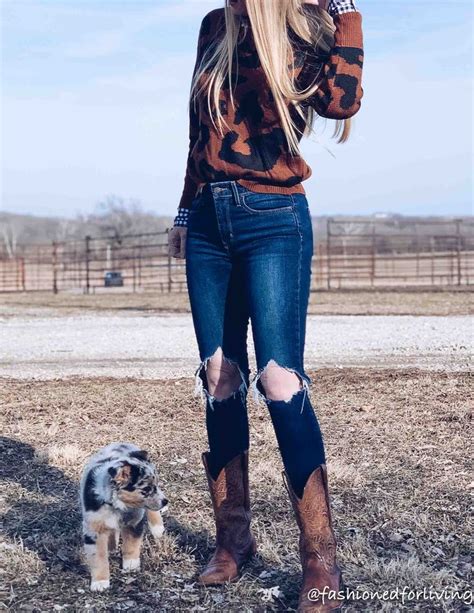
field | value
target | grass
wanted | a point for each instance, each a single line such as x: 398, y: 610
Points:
x: 321, y: 303
x: 398, y: 461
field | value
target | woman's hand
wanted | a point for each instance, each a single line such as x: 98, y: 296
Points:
x: 321, y: 3
x: 177, y: 242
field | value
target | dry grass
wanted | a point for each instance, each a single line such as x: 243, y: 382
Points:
x: 321, y: 303
x: 398, y: 449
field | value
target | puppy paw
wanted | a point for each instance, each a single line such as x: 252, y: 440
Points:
x: 131, y: 564
x: 157, y: 531
x: 100, y: 586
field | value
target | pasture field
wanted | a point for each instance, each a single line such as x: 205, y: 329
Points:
x: 399, y: 453
x: 349, y: 302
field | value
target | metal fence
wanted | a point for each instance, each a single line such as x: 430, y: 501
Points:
x: 432, y: 253
x: 349, y: 255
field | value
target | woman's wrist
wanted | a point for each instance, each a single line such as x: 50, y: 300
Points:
x: 338, y: 7
x: 181, y: 218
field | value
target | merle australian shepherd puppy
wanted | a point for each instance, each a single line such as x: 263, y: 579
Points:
x: 119, y: 493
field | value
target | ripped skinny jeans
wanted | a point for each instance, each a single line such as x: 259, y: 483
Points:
x: 248, y: 257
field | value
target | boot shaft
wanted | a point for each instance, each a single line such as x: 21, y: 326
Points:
x: 230, y: 500
x: 313, y: 516
x: 232, y: 483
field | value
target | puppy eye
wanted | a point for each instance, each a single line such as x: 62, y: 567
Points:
x: 146, y: 490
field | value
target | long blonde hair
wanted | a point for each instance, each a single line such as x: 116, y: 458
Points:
x: 269, y: 20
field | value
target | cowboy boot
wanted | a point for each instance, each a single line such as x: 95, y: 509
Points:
x: 317, y: 544
x: 230, y: 500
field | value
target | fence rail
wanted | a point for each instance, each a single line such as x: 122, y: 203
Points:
x: 352, y: 255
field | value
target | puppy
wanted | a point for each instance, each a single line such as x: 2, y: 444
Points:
x: 119, y: 492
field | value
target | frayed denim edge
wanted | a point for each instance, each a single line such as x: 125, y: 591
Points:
x: 203, y: 393
x: 261, y: 398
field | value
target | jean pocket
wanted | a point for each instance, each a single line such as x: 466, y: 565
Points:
x: 301, y: 201
x: 255, y: 203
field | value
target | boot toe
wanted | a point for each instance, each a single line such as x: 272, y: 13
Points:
x: 318, y: 585
x: 216, y: 577
x: 216, y: 574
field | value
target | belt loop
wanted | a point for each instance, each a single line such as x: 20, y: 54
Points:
x: 235, y: 192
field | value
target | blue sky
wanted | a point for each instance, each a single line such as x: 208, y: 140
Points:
x: 94, y: 102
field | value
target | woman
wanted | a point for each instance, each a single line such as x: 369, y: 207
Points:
x: 264, y: 70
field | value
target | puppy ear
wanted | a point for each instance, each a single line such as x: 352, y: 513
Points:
x: 121, y: 475
x: 140, y: 455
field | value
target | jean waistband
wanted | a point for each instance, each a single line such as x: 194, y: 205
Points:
x: 230, y: 186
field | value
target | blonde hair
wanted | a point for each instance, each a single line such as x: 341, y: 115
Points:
x: 269, y: 20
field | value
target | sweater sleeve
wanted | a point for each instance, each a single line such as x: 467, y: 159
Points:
x: 340, y: 72
x: 190, y: 186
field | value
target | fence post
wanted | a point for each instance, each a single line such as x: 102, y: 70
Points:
x: 373, y: 247
x: 55, y: 267
x: 169, y: 274
x: 38, y: 268
x: 432, y: 258
x: 417, y: 245
x: 458, y: 249
x: 140, y: 266
x: 22, y: 274
x: 328, y: 251
x: 134, y: 268
x: 18, y: 274
x: 167, y: 231
x: 88, y: 252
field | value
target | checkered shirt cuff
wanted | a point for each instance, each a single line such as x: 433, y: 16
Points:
x: 181, y: 218
x: 338, y: 7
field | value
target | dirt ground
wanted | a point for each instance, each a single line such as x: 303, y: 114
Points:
x: 321, y: 303
x: 399, y: 454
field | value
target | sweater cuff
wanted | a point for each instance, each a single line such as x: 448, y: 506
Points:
x: 348, y: 30
x: 338, y: 7
x: 189, y: 191
x: 181, y: 218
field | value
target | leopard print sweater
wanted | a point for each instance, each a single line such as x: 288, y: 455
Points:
x: 253, y: 150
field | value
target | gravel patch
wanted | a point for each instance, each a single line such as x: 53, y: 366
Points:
x: 151, y: 347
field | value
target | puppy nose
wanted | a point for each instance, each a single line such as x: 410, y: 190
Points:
x: 164, y: 502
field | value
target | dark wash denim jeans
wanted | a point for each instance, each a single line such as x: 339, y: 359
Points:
x: 248, y: 256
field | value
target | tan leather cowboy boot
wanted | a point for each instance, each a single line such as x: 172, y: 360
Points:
x: 230, y: 500
x: 317, y: 543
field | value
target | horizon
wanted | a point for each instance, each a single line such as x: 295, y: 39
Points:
x: 91, y: 91
x: 376, y: 215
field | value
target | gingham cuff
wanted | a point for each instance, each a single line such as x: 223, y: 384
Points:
x: 181, y: 218
x: 338, y: 7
